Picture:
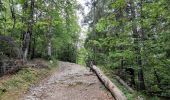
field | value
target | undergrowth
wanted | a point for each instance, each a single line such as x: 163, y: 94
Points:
x: 130, y: 96
x: 14, y: 86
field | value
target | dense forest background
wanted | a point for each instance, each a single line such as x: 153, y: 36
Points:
x: 132, y: 37
x: 129, y: 37
x: 41, y: 28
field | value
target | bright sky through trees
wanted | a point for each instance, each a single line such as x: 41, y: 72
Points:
x: 85, y: 10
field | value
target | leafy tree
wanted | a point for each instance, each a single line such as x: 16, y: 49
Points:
x: 132, y: 36
x: 41, y: 28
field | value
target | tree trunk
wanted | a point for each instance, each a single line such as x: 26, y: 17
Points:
x: 33, y: 48
x: 118, y: 95
x: 137, y: 38
x: 12, y: 9
x: 28, y: 34
x: 49, y: 48
x: 124, y: 84
x: 141, y: 40
x: 49, y: 35
x: 26, y: 45
x: 141, y: 85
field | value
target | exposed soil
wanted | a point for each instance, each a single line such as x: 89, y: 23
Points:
x: 70, y: 82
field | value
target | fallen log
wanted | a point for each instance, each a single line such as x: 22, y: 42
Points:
x: 124, y: 84
x: 118, y: 95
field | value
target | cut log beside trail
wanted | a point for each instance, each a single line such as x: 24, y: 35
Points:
x: 118, y: 95
x: 124, y: 84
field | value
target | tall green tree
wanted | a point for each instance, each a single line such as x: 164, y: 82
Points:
x: 131, y: 36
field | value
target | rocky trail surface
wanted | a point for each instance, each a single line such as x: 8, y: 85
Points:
x: 69, y: 82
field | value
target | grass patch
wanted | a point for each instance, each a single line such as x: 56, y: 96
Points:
x: 13, y: 87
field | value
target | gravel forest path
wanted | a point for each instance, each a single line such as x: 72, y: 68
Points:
x: 69, y: 82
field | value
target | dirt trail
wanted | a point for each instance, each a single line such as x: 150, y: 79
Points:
x: 70, y: 82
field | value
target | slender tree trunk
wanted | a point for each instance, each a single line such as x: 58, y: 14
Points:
x: 49, y: 48
x: 137, y: 38
x: 141, y: 85
x: 26, y: 45
x: 49, y: 36
x: 28, y: 34
x: 12, y: 9
x: 141, y: 37
x: 33, y: 48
